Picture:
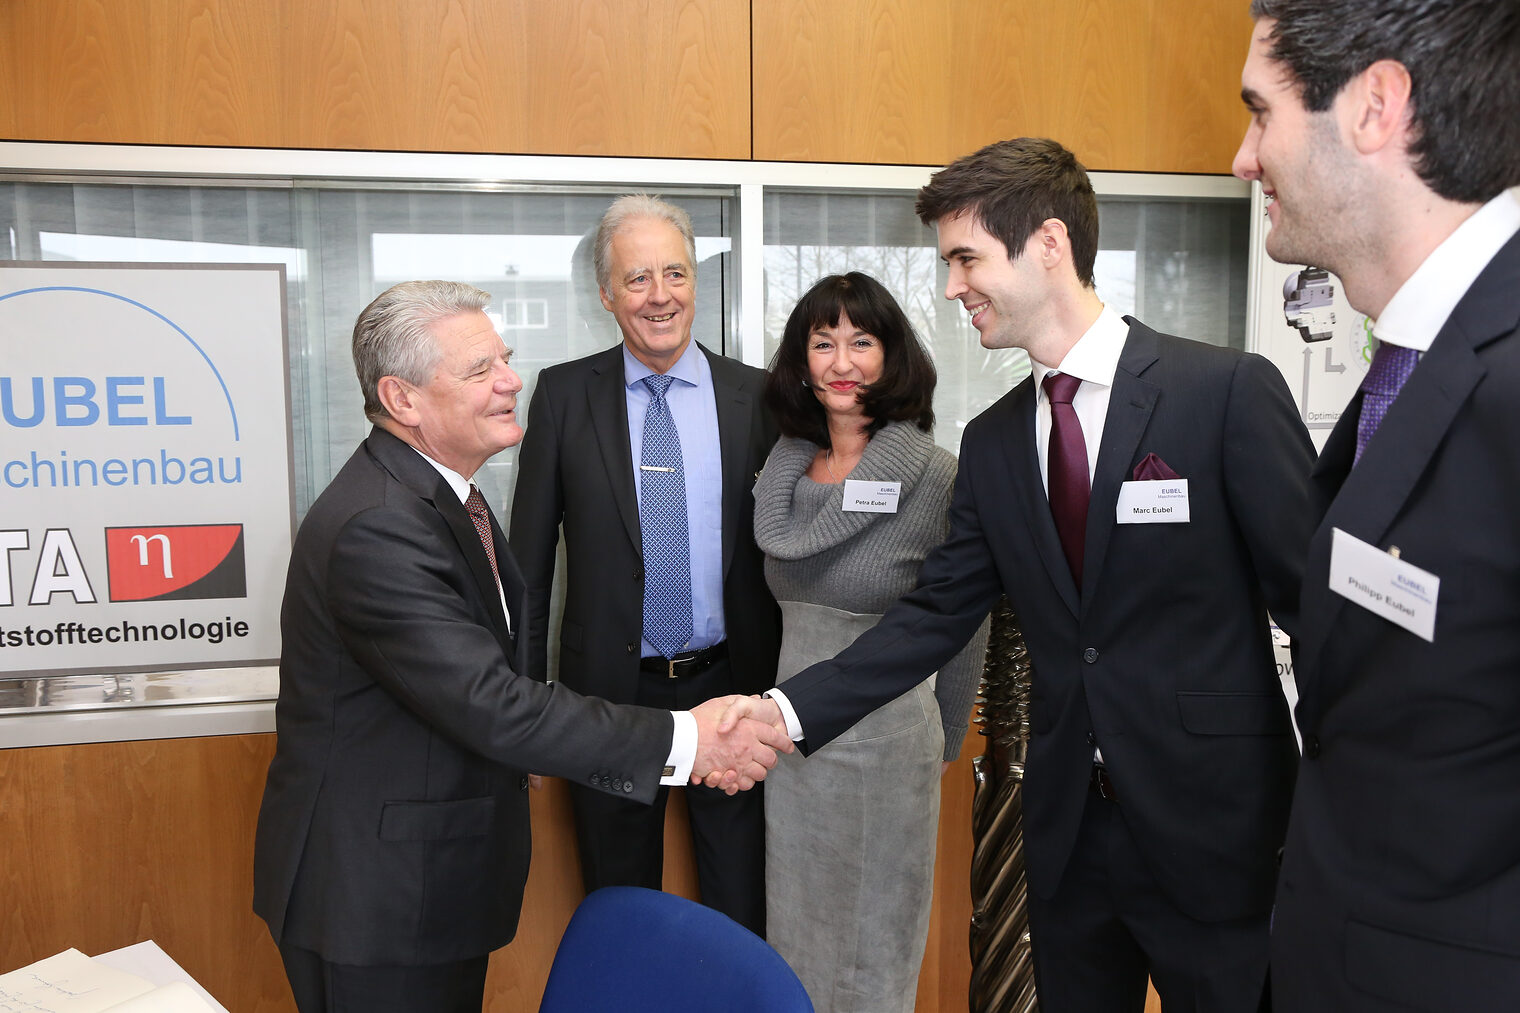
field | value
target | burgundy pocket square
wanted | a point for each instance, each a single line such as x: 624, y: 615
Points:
x: 1152, y: 468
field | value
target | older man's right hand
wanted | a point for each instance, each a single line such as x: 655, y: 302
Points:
x: 738, y: 756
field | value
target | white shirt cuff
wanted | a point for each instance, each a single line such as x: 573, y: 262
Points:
x: 793, y: 726
x: 683, y: 749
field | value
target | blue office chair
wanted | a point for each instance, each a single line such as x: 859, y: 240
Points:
x: 632, y: 950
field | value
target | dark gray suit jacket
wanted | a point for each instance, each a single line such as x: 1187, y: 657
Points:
x: 1406, y: 822
x: 576, y: 469
x: 1163, y: 657
x: 394, y: 827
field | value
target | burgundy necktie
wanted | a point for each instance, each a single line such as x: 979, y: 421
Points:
x: 476, y: 505
x: 1391, y: 366
x: 1066, y: 469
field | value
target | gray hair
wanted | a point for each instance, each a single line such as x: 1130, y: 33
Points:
x: 633, y: 207
x: 394, y: 337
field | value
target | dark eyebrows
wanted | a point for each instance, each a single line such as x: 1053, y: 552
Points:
x: 1250, y: 97
x: 959, y: 251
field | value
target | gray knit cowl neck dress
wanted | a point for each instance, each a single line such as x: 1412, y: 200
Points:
x: 850, y: 830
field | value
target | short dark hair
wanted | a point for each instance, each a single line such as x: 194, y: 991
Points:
x: 1012, y: 187
x: 905, y: 392
x: 1463, y: 58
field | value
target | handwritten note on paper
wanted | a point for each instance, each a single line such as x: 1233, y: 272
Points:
x: 67, y: 982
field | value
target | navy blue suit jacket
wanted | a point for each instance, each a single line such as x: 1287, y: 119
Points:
x: 1163, y: 656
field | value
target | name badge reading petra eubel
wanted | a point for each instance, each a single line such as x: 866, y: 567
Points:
x: 871, y: 497
x: 1383, y: 584
x: 1160, y: 501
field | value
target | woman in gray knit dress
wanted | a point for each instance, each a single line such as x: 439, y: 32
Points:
x: 852, y: 498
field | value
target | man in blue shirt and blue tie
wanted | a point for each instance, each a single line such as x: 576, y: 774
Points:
x: 645, y: 454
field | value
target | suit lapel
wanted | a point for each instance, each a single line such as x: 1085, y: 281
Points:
x: 459, y: 522
x: 1375, y: 491
x: 735, y: 406
x: 1130, y: 404
x: 1029, y: 491
x: 607, y: 404
x: 416, y: 474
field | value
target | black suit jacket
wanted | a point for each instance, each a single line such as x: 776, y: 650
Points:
x: 394, y: 827
x: 1408, y: 801
x: 1163, y: 657
x: 576, y: 469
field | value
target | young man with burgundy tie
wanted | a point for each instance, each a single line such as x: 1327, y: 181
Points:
x: 1386, y: 135
x: 1142, y: 501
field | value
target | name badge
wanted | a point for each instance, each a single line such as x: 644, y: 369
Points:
x: 871, y: 497
x: 1383, y: 584
x: 1162, y: 501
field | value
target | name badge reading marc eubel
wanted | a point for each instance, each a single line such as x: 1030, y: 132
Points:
x: 1383, y: 584
x: 1160, y: 501
x: 871, y: 497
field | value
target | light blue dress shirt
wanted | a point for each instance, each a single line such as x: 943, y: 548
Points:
x: 695, y: 410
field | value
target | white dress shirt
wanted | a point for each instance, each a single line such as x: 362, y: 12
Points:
x: 1419, y: 309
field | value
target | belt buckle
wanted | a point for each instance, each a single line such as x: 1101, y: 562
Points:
x: 670, y: 668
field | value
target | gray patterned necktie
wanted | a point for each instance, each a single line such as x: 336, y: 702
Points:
x: 662, y: 519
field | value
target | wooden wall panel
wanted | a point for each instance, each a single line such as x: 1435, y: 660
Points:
x: 1126, y: 84
x: 108, y: 844
x: 660, y: 78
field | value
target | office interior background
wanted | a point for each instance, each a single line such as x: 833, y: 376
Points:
x: 364, y: 142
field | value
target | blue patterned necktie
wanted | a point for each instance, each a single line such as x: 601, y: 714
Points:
x: 662, y: 519
x: 1391, y: 366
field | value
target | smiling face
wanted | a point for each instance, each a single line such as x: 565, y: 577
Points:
x: 1003, y: 296
x: 651, y: 291
x: 467, y: 411
x: 842, y: 361
x: 1305, y: 170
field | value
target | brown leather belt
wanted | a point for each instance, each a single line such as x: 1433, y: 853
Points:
x: 685, y: 664
x: 1102, y: 784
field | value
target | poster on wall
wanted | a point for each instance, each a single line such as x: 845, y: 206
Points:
x: 145, y: 467
x: 1301, y: 321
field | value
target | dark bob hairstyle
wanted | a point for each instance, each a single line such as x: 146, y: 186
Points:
x: 905, y: 392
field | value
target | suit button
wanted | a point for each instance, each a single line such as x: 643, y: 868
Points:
x: 1092, y: 740
x: 638, y: 573
x: 627, y: 787
x: 629, y: 648
x: 1311, y: 746
x: 523, y: 784
x: 1090, y: 655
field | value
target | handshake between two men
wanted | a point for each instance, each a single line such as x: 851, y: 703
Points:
x: 738, y: 738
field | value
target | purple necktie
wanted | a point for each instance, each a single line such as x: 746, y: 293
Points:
x: 1391, y: 366
x: 1066, y: 469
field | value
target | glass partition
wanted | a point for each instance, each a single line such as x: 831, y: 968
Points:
x: 347, y: 225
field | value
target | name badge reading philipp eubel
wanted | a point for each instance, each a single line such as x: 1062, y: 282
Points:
x: 1384, y: 584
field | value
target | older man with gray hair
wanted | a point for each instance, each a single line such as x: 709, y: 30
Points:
x: 393, y: 839
x: 646, y: 454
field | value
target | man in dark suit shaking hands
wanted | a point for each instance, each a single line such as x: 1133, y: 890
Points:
x: 393, y: 838
x: 646, y: 454
x: 1141, y: 499
x: 1385, y: 135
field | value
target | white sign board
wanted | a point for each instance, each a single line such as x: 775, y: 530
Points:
x: 1302, y: 322
x: 145, y: 468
